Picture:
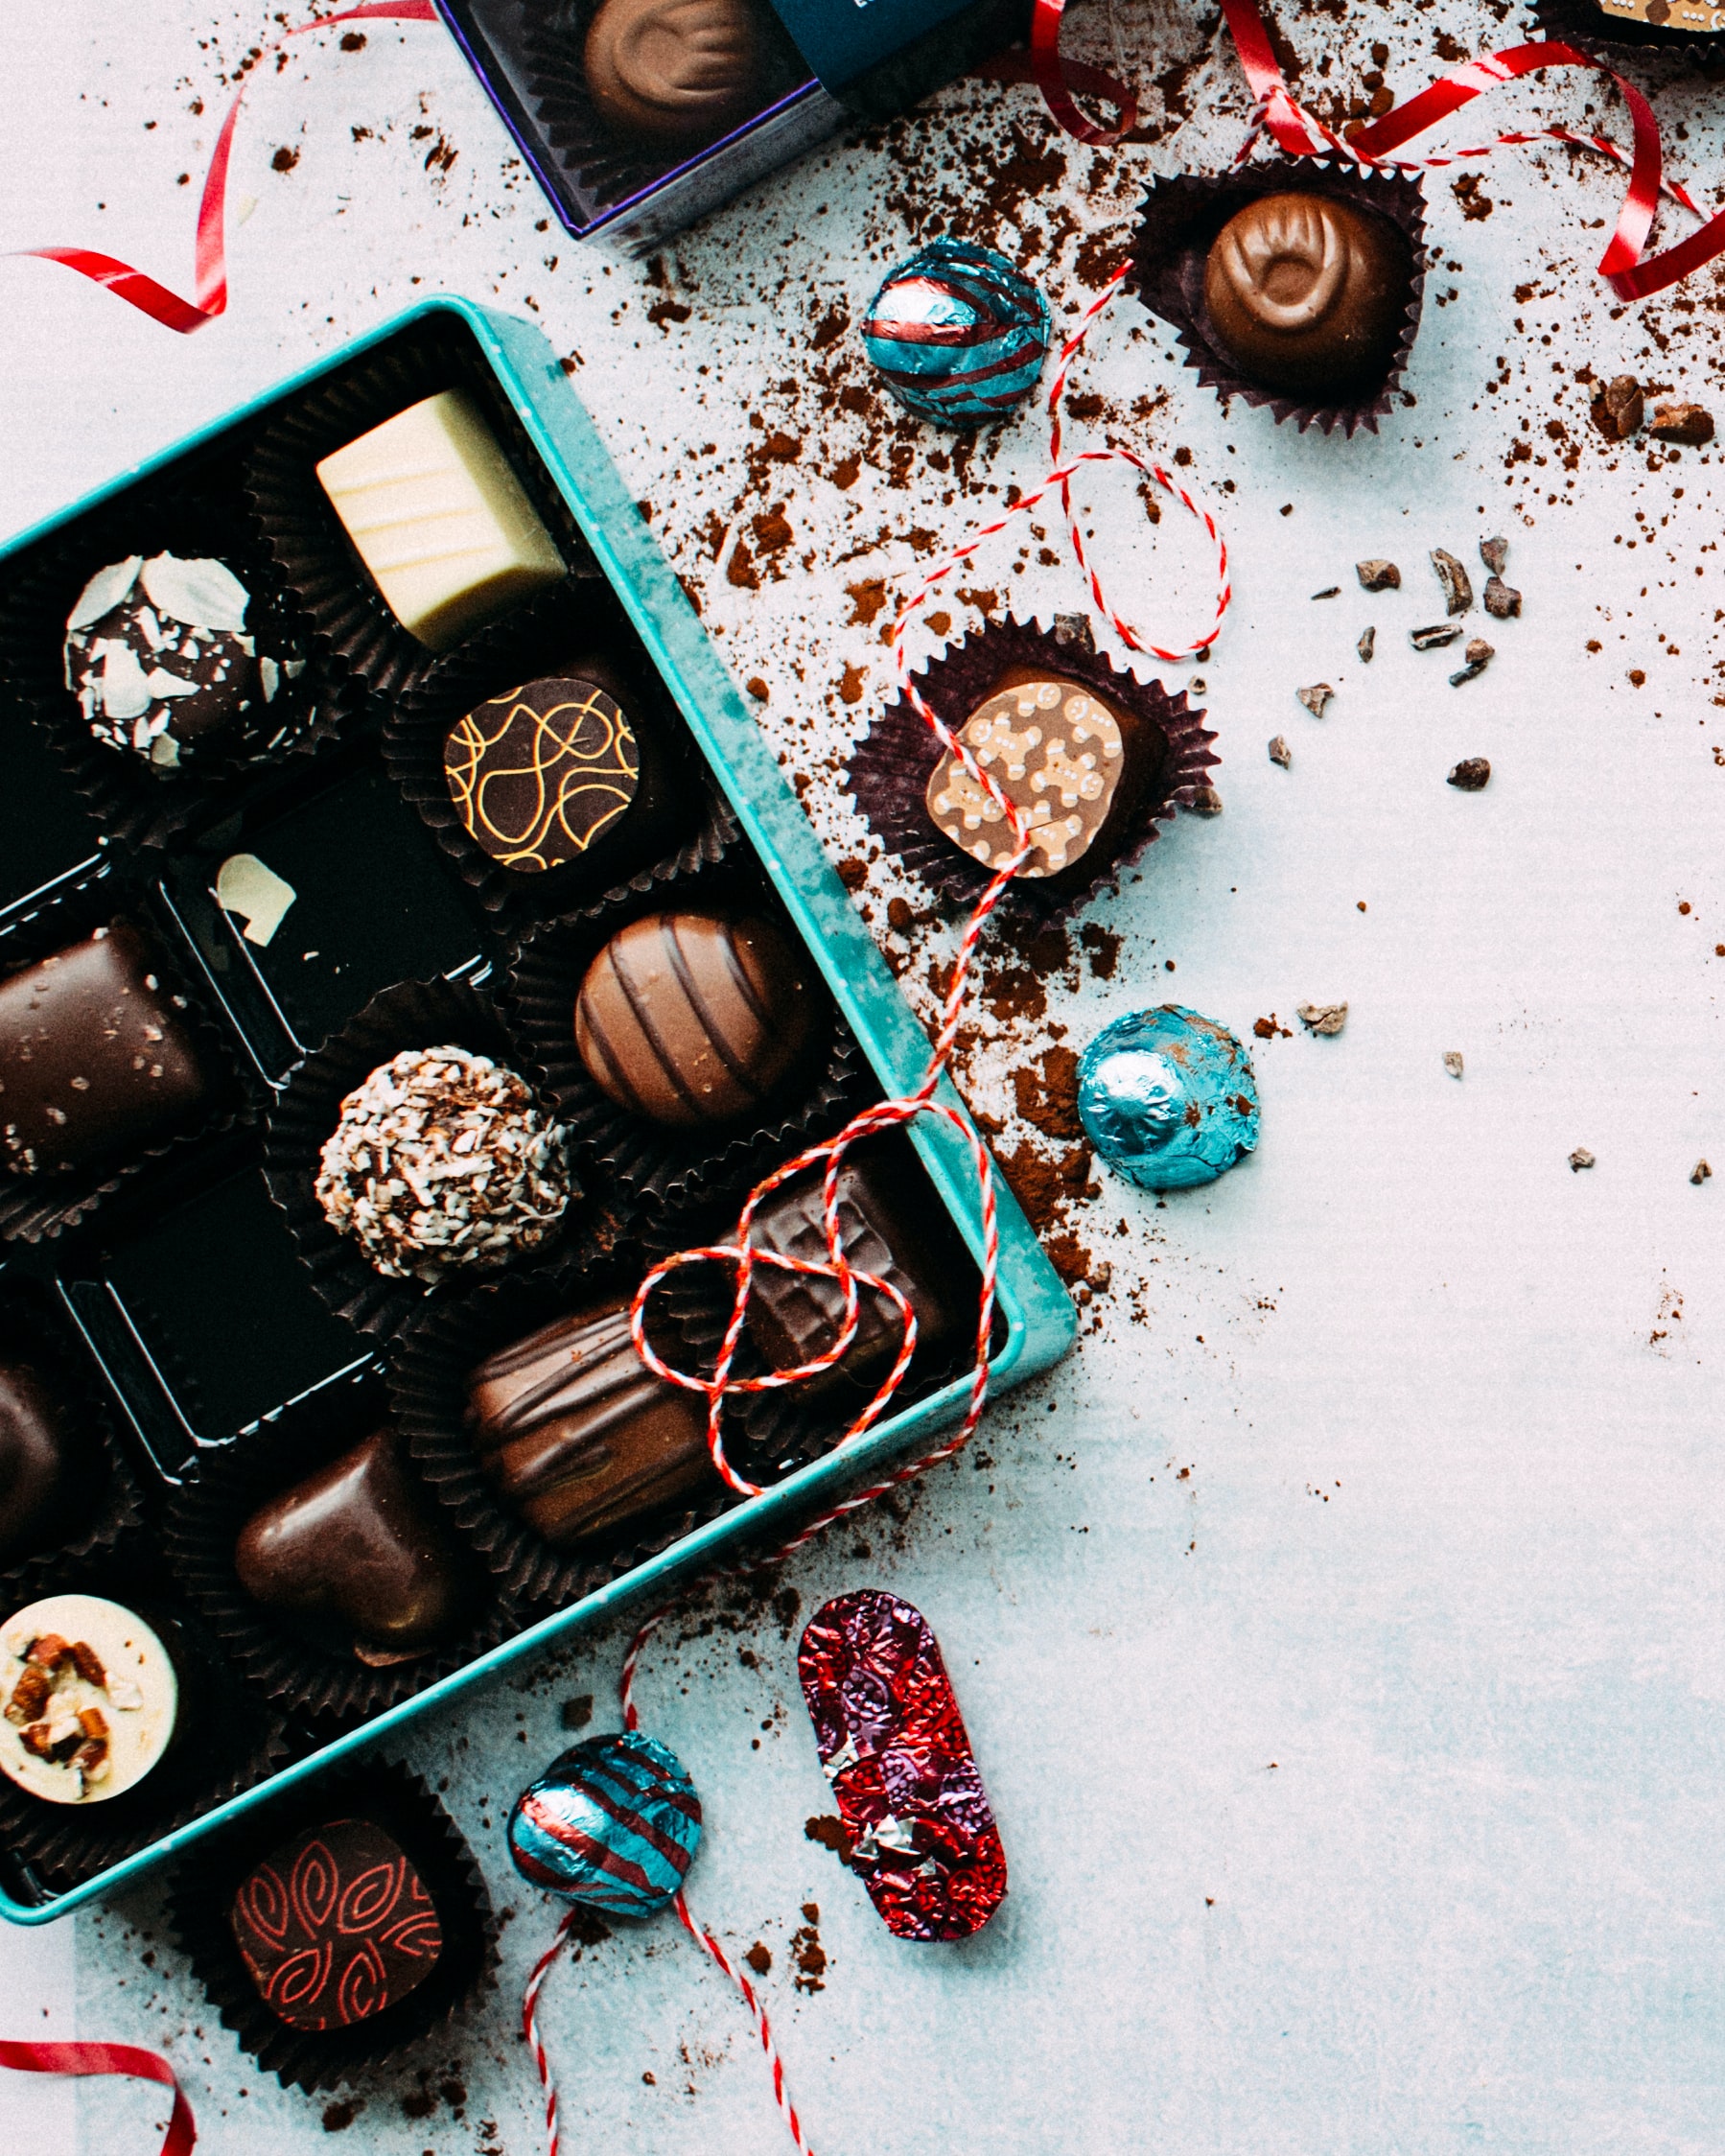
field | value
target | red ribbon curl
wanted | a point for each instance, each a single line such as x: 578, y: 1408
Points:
x: 181, y: 2137
x: 155, y: 300
x: 1622, y: 265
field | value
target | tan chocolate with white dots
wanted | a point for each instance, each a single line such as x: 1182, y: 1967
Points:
x: 1056, y: 751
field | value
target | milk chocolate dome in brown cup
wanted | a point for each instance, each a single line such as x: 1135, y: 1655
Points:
x: 1295, y: 285
x: 1161, y: 753
x: 689, y: 1046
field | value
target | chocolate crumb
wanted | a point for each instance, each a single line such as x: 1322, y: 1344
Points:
x: 1471, y: 774
x: 1203, y: 801
x: 759, y: 1958
x: 1617, y: 408
x: 1280, y: 753
x: 1266, y: 1029
x: 1316, y: 697
x: 1379, y: 575
x: 1689, y: 423
x: 1330, y: 591
x: 1075, y: 629
x: 757, y: 688
x: 1324, y: 1017
x: 1502, y: 600
x: 1452, y: 1062
x: 1701, y: 1172
x: 1434, y: 638
x: 1457, y: 592
x: 1368, y: 644
x: 1581, y: 1159
x: 1494, y: 553
x: 576, y: 1714
x: 1479, y: 655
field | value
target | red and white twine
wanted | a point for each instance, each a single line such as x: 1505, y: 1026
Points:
x: 741, y: 1254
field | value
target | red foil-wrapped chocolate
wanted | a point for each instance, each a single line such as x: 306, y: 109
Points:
x: 893, y: 1744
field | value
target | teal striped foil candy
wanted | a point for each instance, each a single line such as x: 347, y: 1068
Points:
x: 959, y: 336
x: 613, y: 1823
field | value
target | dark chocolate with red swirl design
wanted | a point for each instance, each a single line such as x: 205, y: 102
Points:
x: 336, y: 1925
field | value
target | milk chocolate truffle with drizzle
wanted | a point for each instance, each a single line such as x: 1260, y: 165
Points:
x: 1307, y: 294
x: 692, y: 1019
x: 674, y: 73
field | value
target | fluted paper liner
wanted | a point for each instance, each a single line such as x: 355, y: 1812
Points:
x: 660, y: 1167
x: 224, y: 1485
x: 428, y: 1368
x: 32, y: 1207
x: 1181, y: 215
x: 397, y: 1801
x: 892, y: 765
x: 352, y: 626
x: 695, y: 827
x: 412, y: 1015
x: 224, y: 1742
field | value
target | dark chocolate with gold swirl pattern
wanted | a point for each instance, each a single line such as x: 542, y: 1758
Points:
x: 542, y: 772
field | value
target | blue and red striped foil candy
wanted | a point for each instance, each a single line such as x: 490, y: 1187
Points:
x: 613, y: 1823
x: 958, y: 335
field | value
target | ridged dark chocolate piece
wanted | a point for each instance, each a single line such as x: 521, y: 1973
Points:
x: 795, y: 1317
x: 578, y: 1434
x: 690, y: 1018
x: 94, y: 1060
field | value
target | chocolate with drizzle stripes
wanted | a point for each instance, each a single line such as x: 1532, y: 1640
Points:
x: 693, y: 1019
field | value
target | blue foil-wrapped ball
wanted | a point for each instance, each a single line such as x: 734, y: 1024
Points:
x: 1168, y: 1098
x: 958, y: 333
x: 613, y: 1823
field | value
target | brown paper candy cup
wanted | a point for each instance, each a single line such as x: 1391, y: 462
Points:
x: 304, y: 1668
x: 32, y: 1207
x: 225, y: 1740
x: 412, y: 1015
x: 352, y: 627
x: 393, y: 1798
x: 428, y: 1368
x: 892, y: 765
x: 108, y: 1509
x: 677, y: 824
x: 657, y: 1167
x: 1183, y: 214
x: 606, y: 165
x: 199, y: 514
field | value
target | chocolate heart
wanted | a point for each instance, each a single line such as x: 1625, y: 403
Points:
x: 357, y: 1543
x: 40, y: 1459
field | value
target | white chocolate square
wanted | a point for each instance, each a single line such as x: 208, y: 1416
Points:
x: 441, y: 519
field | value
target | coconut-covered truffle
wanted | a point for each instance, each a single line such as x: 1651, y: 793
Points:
x: 442, y: 1160
x: 160, y: 657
